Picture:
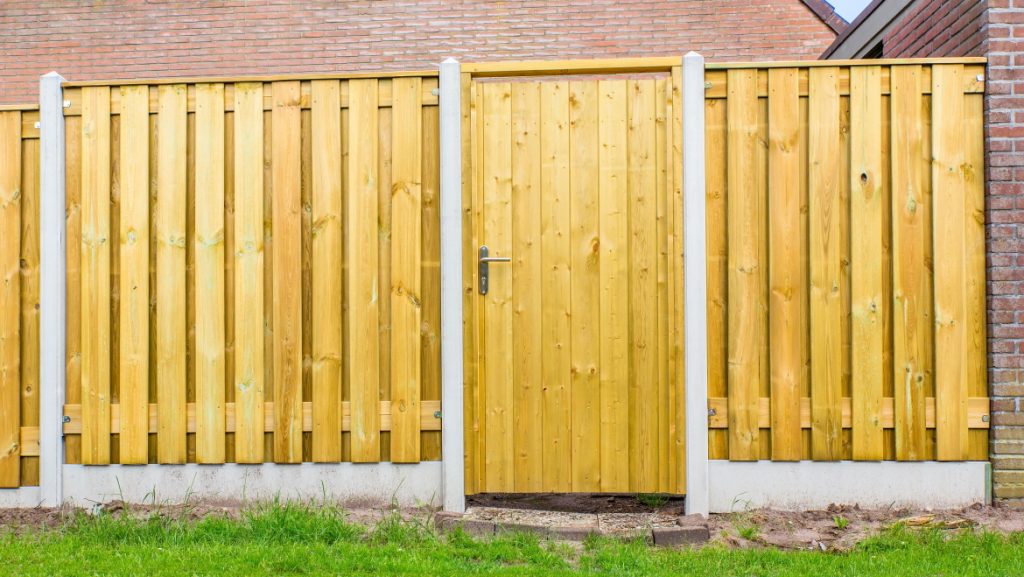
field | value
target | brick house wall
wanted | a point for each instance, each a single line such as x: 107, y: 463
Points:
x: 86, y: 40
x: 995, y: 29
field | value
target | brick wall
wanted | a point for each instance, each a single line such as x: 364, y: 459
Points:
x: 130, y: 38
x: 939, y: 28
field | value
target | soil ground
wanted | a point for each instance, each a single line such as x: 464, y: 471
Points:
x: 837, y: 528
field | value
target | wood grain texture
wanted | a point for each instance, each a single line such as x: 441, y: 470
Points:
x: 826, y: 263
x: 867, y: 211
x: 362, y: 279
x: 787, y: 245
x: 327, y: 277
x: 406, y: 290
x: 911, y: 317
x: 287, y: 262
x: 248, y: 272
x: 95, y: 275
x: 133, y: 242
x: 10, y: 299
x: 170, y: 265
x: 210, y: 299
x: 747, y: 275
x: 30, y: 287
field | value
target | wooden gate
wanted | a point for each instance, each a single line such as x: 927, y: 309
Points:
x: 574, y: 378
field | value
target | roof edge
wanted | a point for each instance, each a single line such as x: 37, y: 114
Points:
x: 827, y: 13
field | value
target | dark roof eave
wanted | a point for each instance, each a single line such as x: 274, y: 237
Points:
x: 822, y: 9
x: 864, y: 14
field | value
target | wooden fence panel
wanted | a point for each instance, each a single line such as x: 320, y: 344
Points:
x: 891, y: 162
x: 258, y: 200
x: 10, y: 298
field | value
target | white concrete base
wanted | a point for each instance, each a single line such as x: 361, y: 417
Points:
x: 21, y: 498
x: 737, y: 486
x: 411, y: 484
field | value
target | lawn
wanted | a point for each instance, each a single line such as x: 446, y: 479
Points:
x: 299, y: 540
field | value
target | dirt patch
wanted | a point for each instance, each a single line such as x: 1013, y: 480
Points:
x: 579, y: 503
x: 22, y: 520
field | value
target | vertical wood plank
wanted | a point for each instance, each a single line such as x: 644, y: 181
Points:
x: 327, y: 278
x: 556, y: 298
x: 585, y: 281
x: 826, y: 264
x: 785, y: 244
x: 170, y: 266
x: 472, y: 129
x: 716, y: 184
x: 10, y: 298
x: 949, y: 229
x: 674, y: 264
x: 645, y: 401
x: 209, y: 274
x: 248, y: 272
x: 866, y: 220
x: 362, y: 256
x: 95, y: 275
x: 430, y: 338
x: 73, y: 259
x: 497, y: 369
x: 30, y: 299
x: 614, y: 283
x: 527, y: 355
x: 910, y: 318
x: 287, y: 287
x: 406, y: 291
x: 133, y: 327
x: 974, y: 246
x: 746, y: 310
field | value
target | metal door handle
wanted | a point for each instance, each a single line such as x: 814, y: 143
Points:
x: 485, y: 266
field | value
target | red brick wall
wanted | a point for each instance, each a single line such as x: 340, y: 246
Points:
x: 939, y: 28
x: 118, y: 39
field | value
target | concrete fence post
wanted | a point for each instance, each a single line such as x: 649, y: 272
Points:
x: 695, y: 286
x: 452, y: 442
x: 53, y: 289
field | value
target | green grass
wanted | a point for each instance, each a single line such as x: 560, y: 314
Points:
x: 298, y: 540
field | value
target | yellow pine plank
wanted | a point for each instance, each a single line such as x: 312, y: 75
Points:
x: 384, y: 162
x: 248, y: 271
x: 826, y: 264
x: 95, y: 275
x: 10, y: 298
x: 30, y: 202
x: 470, y: 304
x: 668, y: 409
x: 952, y: 373
x: 133, y: 329
x: 496, y: 315
x: 170, y: 266
x: 614, y: 285
x: 209, y: 273
x: 362, y: 276
x: 73, y: 259
x: 974, y: 246
x: 910, y: 314
x: 327, y: 278
x: 286, y: 217
x: 556, y: 303
x: 867, y: 208
x: 747, y: 310
x: 644, y: 398
x: 673, y: 124
x: 527, y: 354
x: 786, y: 244
x: 716, y: 185
x: 406, y: 291
x: 585, y: 279
x: 430, y: 341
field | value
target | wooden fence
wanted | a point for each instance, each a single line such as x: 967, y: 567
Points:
x: 19, y: 296
x: 846, y: 261
x: 253, y: 270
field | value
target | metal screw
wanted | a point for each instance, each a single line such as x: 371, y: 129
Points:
x: 712, y: 412
x: 437, y: 414
x: 984, y: 418
x: 67, y: 104
x: 36, y: 125
x: 435, y: 91
x: 980, y: 77
x: 707, y: 85
x: 66, y: 419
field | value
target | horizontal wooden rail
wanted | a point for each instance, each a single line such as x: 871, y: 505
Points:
x: 266, y: 78
x: 716, y: 86
x: 718, y: 410
x: 428, y: 419
x: 562, y: 67
x: 74, y: 97
x: 863, y: 62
